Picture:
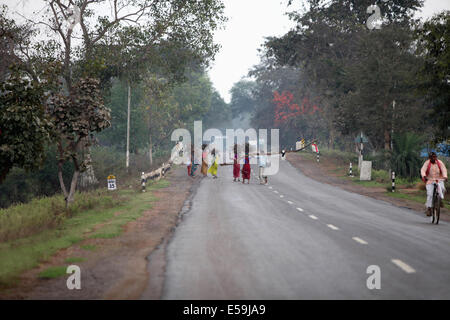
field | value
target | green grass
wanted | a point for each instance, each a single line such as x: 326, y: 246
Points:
x: 419, y: 196
x: 341, y: 156
x: 373, y: 184
x: 414, y: 197
x: 53, y: 272
x: 89, y: 247
x: 74, y: 260
x: 131, y: 212
x: 27, y: 252
x: 41, y: 214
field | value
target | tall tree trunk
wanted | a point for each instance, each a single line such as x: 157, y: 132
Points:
x: 387, y: 139
x: 60, y: 168
x: 87, y: 178
x: 73, y: 187
x: 331, y: 138
x: 128, y: 127
x: 150, y: 151
x: 61, y: 180
x: 386, y: 133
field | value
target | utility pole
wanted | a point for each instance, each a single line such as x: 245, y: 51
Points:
x: 393, y: 118
x: 360, y: 158
x: 128, y: 126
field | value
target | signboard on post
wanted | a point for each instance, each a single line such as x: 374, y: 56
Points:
x: 300, y: 144
x: 361, y: 139
x: 315, y: 148
x: 112, y: 182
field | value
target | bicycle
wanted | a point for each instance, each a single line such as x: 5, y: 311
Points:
x: 436, y: 204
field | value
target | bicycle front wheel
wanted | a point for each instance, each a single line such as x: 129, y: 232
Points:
x: 438, y: 208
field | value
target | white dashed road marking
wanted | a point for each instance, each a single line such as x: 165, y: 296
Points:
x: 270, y: 187
x: 300, y: 209
x: 332, y: 227
x: 403, y: 266
x: 281, y: 196
x: 313, y: 217
x: 290, y: 202
x: 276, y: 191
x: 359, y: 240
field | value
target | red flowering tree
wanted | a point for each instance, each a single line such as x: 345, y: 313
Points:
x: 285, y: 108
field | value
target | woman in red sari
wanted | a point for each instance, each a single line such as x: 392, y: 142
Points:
x: 236, y: 165
x: 246, y: 170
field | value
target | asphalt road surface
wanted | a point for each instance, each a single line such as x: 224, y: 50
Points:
x: 300, y: 239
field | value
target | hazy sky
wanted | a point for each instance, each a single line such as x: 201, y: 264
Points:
x: 250, y: 21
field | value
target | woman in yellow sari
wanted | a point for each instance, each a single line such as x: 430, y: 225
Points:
x: 214, y: 166
x: 204, y: 168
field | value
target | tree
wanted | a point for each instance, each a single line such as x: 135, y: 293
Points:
x: 162, y: 111
x: 25, y: 127
x: 170, y: 105
x: 405, y: 160
x: 187, y: 22
x: 434, y: 45
x: 117, y: 100
x: 382, y: 80
x: 356, y: 72
x: 242, y: 99
x: 77, y: 117
x: 219, y: 114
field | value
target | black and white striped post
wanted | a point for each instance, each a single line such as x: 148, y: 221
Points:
x: 393, y: 181
x: 143, y: 180
x: 318, y: 157
x: 350, y: 170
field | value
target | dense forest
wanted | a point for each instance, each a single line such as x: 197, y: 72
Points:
x: 332, y: 78
x: 72, y: 79
x: 64, y: 103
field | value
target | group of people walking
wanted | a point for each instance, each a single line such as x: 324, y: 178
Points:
x: 245, y: 171
x: 204, y: 169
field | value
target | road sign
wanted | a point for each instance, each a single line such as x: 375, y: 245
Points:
x: 315, y: 148
x: 361, y: 139
x: 300, y: 144
x: 112, y: 182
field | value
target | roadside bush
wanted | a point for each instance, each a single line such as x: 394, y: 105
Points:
x: 381, y: 176
x: 21, y: 186
x: 380, y: 161
x: 108, y: 160
x: 23, y: 220
x: 406, y: 161
x: 342, y: 156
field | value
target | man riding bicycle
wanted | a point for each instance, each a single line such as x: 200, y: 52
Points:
x: 433, y: 170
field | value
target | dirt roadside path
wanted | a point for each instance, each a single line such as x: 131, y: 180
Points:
x: 118, y: 268
x: 323, y: 172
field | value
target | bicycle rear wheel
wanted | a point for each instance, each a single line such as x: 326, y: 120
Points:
x: 434, y: 208
x: 438, y: 208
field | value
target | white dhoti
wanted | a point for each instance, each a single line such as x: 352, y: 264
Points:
x: 430, y: 188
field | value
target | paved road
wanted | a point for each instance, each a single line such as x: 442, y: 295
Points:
x: 300, y: 239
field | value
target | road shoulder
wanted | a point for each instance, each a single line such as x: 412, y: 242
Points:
x: 118, y: 267
x: 325, y: 172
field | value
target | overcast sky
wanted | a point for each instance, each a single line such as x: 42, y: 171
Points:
x: 249, y: 22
